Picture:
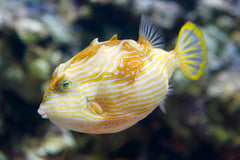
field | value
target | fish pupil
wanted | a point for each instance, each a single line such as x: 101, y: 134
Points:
x: 65, y: 85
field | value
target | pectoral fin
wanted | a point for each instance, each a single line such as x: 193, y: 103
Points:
x: 95, y: 108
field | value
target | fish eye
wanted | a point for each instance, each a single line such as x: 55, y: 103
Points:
x: 64, y: 85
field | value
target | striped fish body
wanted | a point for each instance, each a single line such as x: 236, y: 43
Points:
x: 111, y: 85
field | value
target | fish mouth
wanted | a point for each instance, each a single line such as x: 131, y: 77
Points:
x: 42, y: 113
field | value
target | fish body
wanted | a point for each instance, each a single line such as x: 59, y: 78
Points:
x: 111, y: 85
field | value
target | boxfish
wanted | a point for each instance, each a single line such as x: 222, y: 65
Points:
x: 110, y: 86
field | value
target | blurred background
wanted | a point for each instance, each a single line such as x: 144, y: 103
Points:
x: 202, y: 120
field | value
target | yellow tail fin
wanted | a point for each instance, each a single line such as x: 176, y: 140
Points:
x: 192, y: 49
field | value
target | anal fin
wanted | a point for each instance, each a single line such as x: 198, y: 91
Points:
x: 162, y: 104
x: 162, y: 107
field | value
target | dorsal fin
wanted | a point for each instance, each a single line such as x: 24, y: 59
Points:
x: 162, y: 107
x: 150, y: 34
x: 114, y: 37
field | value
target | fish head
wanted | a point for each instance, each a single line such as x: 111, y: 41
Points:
x: 62, y: 101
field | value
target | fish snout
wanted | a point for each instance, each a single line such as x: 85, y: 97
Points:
x: 42, y: 112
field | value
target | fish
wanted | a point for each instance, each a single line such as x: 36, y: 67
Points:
x: 110, y: 86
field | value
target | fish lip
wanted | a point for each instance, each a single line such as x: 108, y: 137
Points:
x: 42, y: 113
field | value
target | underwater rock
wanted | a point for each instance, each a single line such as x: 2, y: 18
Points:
x: 14, y: 74
x: 223, y: 58
x: 31, y: 30
x: 71, y: 12
x: 225, y: 23
x: 56, y: 143
x: 216, y: 40
x: 56, y: 57
x: 85, y: 11
x: 10, y: 11
x: 40, y: 69
x: 225, y: 85
x: 58, y: 29
x: 235, y: 9
x: 143, y: 6
x: 6, y: 17
x: 235, y: 37
x: 164, y: 13
x: 31, y: 155
x: 57, y: 140
x: 215, y: 4
x: 231, y: 56
x: 206, y: 9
